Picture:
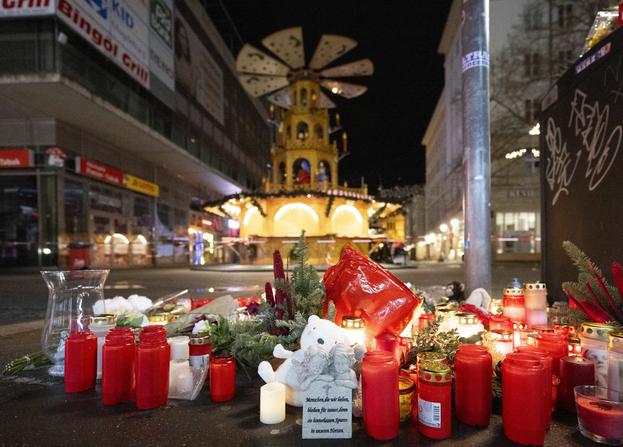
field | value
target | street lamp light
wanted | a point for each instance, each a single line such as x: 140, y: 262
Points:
x: 443, y: 228
x: 454, y: 223
x: 536, y: 130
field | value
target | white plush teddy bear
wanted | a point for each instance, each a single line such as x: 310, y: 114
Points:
x: 319, y: 333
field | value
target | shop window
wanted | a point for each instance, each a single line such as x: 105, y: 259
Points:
x: 301, y: 170
x: 302, y: 131
x: 105, y: 199
x: 19, y: 232
x: 518, y: 232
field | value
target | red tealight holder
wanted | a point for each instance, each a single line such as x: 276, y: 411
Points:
x: 222, y: 378
x: 425, y: 320
x: 523, y: 389
x: 574, y: 371
x: 152, y: 368
x: 499, y: 323
x: 556, y: 344
x: 118, y: 367
x: 472, y: 385
x: 551, y: 380
x: 80, y: 361
x: 380, y: 395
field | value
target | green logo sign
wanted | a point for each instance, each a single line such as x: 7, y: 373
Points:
x: 161, y: 20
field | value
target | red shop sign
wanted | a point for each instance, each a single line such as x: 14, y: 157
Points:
x: 16, y: 158
x: 99, y: 171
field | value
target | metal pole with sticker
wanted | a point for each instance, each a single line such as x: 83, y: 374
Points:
x: 476, y: 143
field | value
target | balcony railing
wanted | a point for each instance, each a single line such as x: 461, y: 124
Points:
x: 325, y: 187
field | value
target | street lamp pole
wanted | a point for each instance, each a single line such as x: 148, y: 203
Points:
x: 477, y: 144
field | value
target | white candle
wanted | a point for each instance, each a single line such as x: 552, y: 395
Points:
x: 272, y: 403
x: 180, y: 378
x: 179, y: 347
x: 536, y: 316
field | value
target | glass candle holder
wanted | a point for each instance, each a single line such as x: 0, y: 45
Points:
x: 71, y: 297
x: 500, y: 323
x: 448, y: 320
x: 574, y: 371
x: 514, y: 304
x: 199, y: 349
x: 473, y: 370
x: 425, y: 320
x: 152, y: 368
x: 354, y: 327
x: 434, y: 400
x: 118, y: 367
x: 222, y: 378
x: 615, y: 361
x: 406, y: 387
x: 594, y: 343
x: 80, y: 361
x: 501, y: 342
x: 600, y: 414
x: 468, y: 325
x: 381, y: 399
x: 535, y: 296
x: 523, y: 390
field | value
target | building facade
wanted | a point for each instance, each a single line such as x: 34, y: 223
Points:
x: 531, y: 43
x: 117, y: 122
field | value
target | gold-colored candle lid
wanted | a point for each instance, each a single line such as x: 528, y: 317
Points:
x: 597, y: 331
x: 431, y: 357
x: 352, y: 323
x: 467, y: 318
x: 405, y: 385
x: 435, y: 372
x: 616, y: 341
x: 513, y: 291
x: 103, y: 320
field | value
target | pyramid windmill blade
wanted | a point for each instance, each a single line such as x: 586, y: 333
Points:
x: 329, y: 49
x: 282, y: 98
x: 288, y: 45
x: 258, y: 85
x: 345, y: 89
x: 363, y: 67
x: 254, y: 61
x: 325, y: 102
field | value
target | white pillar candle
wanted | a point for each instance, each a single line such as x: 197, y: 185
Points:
x: 272, y: 403
x: 179, y: 347
x: 100, y: 326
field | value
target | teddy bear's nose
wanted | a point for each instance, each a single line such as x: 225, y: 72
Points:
x: 320, y: 341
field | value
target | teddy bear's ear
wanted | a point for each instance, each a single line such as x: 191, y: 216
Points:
x: 313, y: 319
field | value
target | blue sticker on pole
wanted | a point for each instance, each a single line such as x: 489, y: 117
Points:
x: 475, y: 59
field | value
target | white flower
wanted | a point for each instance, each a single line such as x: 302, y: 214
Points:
x: 140, y: 303
x: 199, y: 326
x: 120, y: 305
x: 99, y: 308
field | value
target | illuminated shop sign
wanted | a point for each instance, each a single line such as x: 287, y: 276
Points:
x: 26, y: 8
x: 16, y: 157
x: 116, y: 177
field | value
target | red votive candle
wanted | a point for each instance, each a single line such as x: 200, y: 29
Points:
x: 424, y: 321
x: 80, y: 361
x: 199, y: 350
x: 523, y: 390
x: 222, y: 378
x: 550, y: 382
x: 574, y: 371
x: 152, y: 368
x: 472, y: 385
x: 434, y: 400
x: 500, y: 323
x: 380, y: 393
x: 513, y: 304
x: 118, y: 367
x: 557, y: 345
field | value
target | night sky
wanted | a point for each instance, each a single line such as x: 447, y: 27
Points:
x: 385, y: 125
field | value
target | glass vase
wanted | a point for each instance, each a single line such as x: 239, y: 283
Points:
x: 71, y: 296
